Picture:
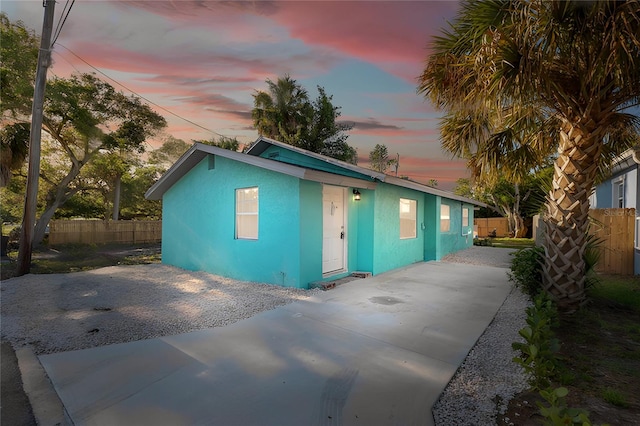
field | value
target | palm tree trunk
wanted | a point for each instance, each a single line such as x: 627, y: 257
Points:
x: 567, y: 216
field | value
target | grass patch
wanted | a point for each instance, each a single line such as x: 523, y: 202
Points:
x: 84, y: 257
x: 619, y: 290
x: 516, y: 243
x: 615, y: 397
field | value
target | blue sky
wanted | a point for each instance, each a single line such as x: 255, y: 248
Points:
x: 204, y: 61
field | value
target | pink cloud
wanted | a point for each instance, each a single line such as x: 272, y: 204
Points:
x: 391, y: 34
x: 422, y: 170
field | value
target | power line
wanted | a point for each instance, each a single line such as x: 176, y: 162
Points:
x: 139, y: 95
x: 61, y: 22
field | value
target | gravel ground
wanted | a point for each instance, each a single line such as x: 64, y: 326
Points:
x: 482, y: 255
x: 488, y: 378
x: 61, y: 312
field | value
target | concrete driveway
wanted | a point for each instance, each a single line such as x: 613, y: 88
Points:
x: 372, y: 351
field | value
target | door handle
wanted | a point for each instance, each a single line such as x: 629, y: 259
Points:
x: 342, y: 235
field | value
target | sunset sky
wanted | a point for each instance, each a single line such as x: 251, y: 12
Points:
x: 204, y: 60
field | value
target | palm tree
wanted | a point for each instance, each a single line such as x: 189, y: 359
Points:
x: 283, y: 112
x: 520, y: 80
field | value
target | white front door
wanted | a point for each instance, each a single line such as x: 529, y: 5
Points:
x: 333, y: 231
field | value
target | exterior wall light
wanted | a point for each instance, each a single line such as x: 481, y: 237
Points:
x: 356, y: 195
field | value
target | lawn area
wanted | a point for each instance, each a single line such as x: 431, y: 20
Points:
x: 599, y: 356
x: 83, y: 257
x: 515, y: 243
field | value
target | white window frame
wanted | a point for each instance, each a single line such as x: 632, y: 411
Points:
x: 618, y: 198
x: 408, y: 218
x: 637, y: 242
x: 242, y: 215
x: 445, y: 218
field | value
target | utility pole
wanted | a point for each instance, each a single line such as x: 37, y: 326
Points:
x: 31, y: 197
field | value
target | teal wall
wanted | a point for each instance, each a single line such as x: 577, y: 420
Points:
x: 198, y: 231
x: 389, y: 251
x: 453, y: 240
x: 432, y: 246
x: 363, y: 214
x: 310, y: 232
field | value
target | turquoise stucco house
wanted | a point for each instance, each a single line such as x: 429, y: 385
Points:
x: 283, y: 215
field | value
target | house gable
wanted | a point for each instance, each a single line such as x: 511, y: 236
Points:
x: 199, y: 223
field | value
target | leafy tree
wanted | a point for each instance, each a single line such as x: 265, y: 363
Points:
x: 515, y: 201
x: 340, y: 150
x: 379, y: 158
x: 223, y: 142
x: 18, y: 60
x: 135, y: 184
x: 285, y: 113
x: 525, y: 79
x: 324, y: 134
x: 171, y: 150
x: 84, y: 117
x: 14, y: 148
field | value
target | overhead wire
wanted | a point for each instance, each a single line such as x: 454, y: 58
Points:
x: 62, y: 20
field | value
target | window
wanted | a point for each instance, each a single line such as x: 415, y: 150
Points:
x: 618, y: 193
x: 445, y: 219
x: 407, y: 218
x: 465, y: 221
x: 465, y: 217
x: 247, y: 213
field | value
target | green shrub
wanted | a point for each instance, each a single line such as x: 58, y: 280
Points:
x: 557, y: 413
x: 615, y: 397
x: 537, y: 352
x: 526, y: 270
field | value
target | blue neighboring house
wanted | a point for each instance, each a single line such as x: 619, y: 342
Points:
x: 283, y: 215
x: 622, y: 190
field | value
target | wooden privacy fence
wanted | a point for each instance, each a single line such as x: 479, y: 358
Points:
x: 615, y: 230
x: 101, y: 231
x: 486, y: 225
